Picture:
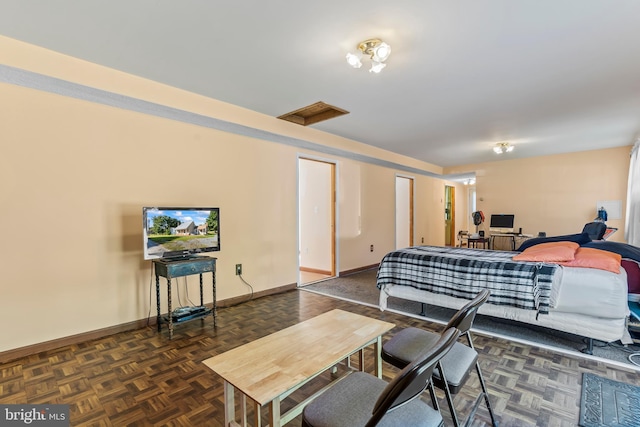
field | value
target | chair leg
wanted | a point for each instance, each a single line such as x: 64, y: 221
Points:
x: 434, y: 399
x: 470, y: 340
x: 447, y: 394
x: 494, y: 423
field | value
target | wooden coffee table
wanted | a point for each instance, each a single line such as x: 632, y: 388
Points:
x: 269, y: 369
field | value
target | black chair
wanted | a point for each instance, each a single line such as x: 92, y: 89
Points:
x: 454, y: 368
x: 595, y: 230
x: 362, y: 399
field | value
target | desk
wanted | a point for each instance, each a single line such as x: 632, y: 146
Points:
x: 513, y: 238
x: 269, y: 369
x: 169, y: 269
x: 474, y: 242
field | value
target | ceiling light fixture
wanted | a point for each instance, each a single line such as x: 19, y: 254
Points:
x: 376, y: 49
x: 469, y: 181
x: 503, y: 147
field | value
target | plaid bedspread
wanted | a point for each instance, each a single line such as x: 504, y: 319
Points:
x: 462, y: 273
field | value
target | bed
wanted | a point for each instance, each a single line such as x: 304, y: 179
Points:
x: 584, y: 301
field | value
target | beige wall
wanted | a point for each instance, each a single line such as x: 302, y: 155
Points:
x: 556, y: 194
x: 75, y: 174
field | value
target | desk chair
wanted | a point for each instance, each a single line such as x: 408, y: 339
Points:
x: 362, y: 399
x: 454, y: 368
x: 595, y: 230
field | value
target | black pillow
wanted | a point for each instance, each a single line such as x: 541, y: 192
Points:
x: 580, y: 239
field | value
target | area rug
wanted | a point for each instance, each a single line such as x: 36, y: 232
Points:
x: 361, y: 288
x: 608, y: 403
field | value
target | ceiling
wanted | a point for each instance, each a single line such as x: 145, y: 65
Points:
x: 549, y: 76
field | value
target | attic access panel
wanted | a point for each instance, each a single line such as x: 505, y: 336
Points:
x: 313, y: 113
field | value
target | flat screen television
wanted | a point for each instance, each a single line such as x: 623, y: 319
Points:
x: 501, y: 223
x: 174, y: 232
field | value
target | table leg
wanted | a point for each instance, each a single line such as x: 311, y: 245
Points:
x: 377, y: 347
x: 257, y: 415
x: 201, y: 295
x: 170, y: 314
x: 244, y: 410
x: 274, y: 412
x: 158, y: 319
x: 229, y: 405
x: 215, y: 306
x: 361, y: 359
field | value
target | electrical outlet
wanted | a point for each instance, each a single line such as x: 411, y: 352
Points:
x: 238, y: 269
x: 371, y: 248
x: 423, y: 240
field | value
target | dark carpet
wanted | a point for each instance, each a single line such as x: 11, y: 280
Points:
x: 608, y: 403
x: 361, y: 288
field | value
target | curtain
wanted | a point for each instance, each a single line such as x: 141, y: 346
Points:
x: 632, y: 222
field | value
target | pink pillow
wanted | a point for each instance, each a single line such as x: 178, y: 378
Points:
x: 595, y: 258
x: 549, y: 252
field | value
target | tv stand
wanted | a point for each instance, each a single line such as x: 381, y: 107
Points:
x: 170, y: 268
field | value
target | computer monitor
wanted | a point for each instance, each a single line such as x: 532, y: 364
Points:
x: 501, y: 223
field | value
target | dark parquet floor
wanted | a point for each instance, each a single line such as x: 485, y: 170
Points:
x: 141, y: 378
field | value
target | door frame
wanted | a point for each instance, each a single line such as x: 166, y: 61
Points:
x: 333, y: 209
x: 452, y: 230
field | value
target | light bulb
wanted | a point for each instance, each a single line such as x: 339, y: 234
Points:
x: 376, y: 67
x: 354, y: 59
x: 381, y: 52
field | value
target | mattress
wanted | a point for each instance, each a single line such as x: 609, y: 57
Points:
x: 600, y: 328
x: 592, y: 292
x: 583, y: 301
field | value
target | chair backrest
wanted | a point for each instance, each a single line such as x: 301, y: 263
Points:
x: 413, y: 379
x: 463, y: 319
x: 595, y: 230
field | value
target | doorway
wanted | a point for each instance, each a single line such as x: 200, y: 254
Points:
x: 404, y: 212
x: 449, y: 215
x: 316, y: 220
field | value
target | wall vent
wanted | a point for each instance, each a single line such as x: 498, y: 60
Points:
x: 313, y: 113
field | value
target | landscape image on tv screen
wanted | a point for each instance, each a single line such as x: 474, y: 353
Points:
x: 178, y: 232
